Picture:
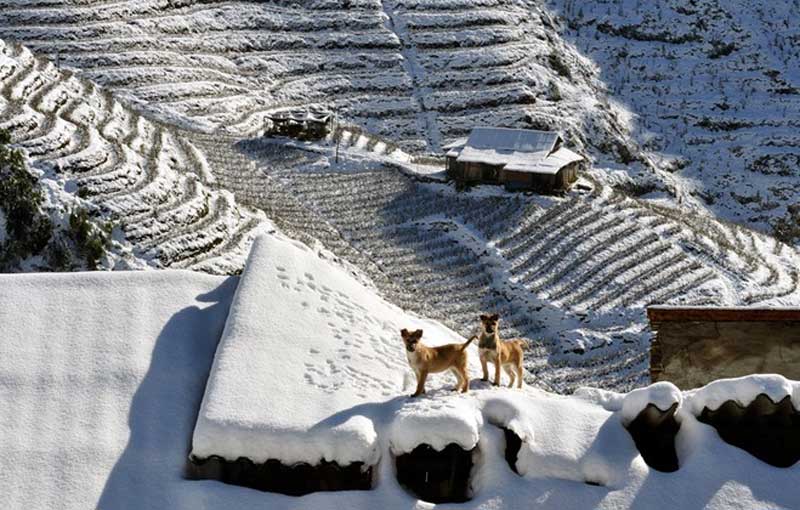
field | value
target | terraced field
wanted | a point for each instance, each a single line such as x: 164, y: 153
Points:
x: 716, y: 85
x: 143, y: 175
x: 416, y: 71
x: 572, y: 274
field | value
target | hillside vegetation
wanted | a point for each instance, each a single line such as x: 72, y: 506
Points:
x: 715, y: 85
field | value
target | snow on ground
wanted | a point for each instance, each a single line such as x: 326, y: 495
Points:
x: 101, y: 376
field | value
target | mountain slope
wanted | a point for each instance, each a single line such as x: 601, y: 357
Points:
x: 572, y: 274
x: 419, y: 72
x: 143, y: 176
x: 167, y: 151
x: 715, y: 86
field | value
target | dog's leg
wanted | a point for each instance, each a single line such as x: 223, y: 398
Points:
x: 510, y: 371
x: 497, y: 365
x: 485, y: 368
x: 519, y: 375
x: 423, y: 374
x: 464, y: 375
x: 459, y: 381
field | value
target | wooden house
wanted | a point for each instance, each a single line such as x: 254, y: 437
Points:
x: 517, y: 158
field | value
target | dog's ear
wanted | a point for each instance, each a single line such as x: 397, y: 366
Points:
x: 404, y: 332
x: 483, y: 317
x: 495, y: 317
x: 418, y: 333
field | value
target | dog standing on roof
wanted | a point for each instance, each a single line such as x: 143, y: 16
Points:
x: 425, y: 360
x: 506, y: 354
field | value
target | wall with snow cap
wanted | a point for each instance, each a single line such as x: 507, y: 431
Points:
x: 696, y: 345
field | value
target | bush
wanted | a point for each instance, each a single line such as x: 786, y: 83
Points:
x: 90, y: 241
x: 553, y: 92
x: 721, y: 49
x: 558, y: 65
x: 59, y: 256
x: 28, y: 230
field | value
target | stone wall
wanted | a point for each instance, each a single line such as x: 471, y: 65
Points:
x: 694, y: 346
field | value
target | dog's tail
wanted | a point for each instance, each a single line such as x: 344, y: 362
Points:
x: 522, y: 343
x: 466, y: 344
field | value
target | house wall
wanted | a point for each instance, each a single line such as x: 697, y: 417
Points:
x: 481, y: 173
x: 692, y: 353
x: 568, y: 175
x: 472, y: 172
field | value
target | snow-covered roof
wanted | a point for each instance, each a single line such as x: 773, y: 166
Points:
x: 517, y: 140
x: 302, y: 330
x: 518, y: 150
x: 99, y: 396
x: 457, y: 143
x: 312, y: 113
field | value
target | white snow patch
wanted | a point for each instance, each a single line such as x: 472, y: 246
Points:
x: 662, y: 394
x: 100, y: 375
x: 436, y: 421
x: 742, y: 390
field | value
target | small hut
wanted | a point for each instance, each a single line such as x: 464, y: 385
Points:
x: 521, y: 159
x: 310, y: 123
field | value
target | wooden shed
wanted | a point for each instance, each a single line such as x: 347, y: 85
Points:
x: 517, y: 158
x: 302, y: 123
x: 695, y: 345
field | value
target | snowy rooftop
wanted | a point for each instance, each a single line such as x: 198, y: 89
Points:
x: 519, y: 150
x: 307, y: 350
x: 101, y: 376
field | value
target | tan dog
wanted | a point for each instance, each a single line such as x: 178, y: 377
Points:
x: 506, y: 354
x: 425, y: 360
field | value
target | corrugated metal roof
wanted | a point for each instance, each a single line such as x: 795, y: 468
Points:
x: 516, y: 140
x: 518, y: 150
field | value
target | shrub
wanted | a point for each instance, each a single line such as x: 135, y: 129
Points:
x: 28, y: 230
x: 553, y: 92
x: 90, y: 241
x: 558, y: 65
x: 721, y: 49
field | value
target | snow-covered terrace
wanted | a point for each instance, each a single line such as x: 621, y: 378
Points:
x: 102, y: 375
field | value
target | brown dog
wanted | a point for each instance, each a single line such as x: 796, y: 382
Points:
x: 425, y: 360
x: 507, y: 354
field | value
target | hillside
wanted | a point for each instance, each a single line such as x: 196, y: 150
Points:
x: 715, y: 86
x: 143, y: 177
x: 419, y: 72
x: 147, y: 113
